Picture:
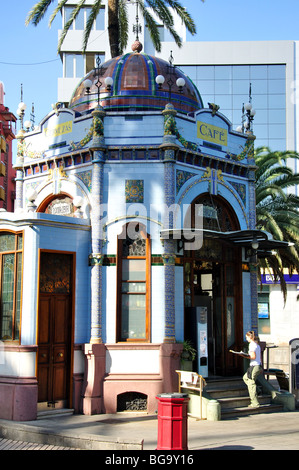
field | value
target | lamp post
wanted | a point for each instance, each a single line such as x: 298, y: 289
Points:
x: 98, y: 73
x: 248, y: 114
x: 160, y: 79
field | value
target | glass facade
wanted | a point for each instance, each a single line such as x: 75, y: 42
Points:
x: 228, y: 87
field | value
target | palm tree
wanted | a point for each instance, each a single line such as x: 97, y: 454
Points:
x: 118, y: 19
x: 277, y: 210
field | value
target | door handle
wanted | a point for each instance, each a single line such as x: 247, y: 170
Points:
x: 60, y: 354
x: 44, y: 355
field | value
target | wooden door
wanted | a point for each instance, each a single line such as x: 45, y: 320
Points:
x: 54, y: 342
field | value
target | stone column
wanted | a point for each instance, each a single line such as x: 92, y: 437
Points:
x: 96, y: 257
x: 170, y: 147
x: 253, y: 262
x: 19, y: 167
x: 95, y: 351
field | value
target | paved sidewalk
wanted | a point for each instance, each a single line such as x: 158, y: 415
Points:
x: 269, y: 431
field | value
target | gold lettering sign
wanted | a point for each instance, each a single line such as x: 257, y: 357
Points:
x: 211, y: 133
x: 60, y: 129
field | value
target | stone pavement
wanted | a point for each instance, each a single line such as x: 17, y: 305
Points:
x: 136, y: 431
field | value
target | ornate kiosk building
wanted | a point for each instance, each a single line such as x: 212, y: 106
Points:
x: 133, y: 230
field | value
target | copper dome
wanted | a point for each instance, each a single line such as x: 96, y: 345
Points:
x: 134, y: 86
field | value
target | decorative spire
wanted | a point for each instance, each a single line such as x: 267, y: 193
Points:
x: 137, y: 45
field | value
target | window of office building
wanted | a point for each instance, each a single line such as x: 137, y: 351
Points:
x: 228, y: 86
x: 81, y: 19
x: 78, y: 65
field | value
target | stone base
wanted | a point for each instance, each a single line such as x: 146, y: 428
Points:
x: 18, y: 398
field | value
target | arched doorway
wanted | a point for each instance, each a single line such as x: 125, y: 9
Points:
x: 213, y: 291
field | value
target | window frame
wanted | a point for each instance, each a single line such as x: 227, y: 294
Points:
x: 18, y: 253
x: 120, y: 281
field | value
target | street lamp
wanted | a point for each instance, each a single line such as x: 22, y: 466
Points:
x: 98, y: 73
x: 160, y: 79
x: 248, y: 114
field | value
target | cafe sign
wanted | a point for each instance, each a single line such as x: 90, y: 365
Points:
x: 210, y: 133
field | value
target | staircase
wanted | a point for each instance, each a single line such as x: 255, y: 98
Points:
x: 232, y: 394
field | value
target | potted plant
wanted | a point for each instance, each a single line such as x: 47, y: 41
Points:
x: 188, y: 355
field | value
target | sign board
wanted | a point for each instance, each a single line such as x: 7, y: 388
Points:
x: 269, y: 279
x: 202, y: 338
x: 210, y: 133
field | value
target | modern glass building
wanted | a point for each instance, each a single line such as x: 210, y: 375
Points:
x: 229, y: 85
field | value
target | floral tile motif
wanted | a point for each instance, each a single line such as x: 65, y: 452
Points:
x: 182, y: 177
x: 134, y: 191
x: 241, y: 190
x: 85, y: 177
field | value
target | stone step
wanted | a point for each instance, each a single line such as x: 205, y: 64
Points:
x: 228, y: 413
x: 238, y: 402
x: 54, y: 413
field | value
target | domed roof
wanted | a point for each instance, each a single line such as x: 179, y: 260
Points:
x: 134, y: 86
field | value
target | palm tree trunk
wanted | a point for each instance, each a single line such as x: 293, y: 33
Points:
x: 113, y: 27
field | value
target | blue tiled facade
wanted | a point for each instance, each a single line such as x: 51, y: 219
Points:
x: 104, y: 170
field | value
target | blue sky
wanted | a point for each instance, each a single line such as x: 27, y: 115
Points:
x: 29, y: 55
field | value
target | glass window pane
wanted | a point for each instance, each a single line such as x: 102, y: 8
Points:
x: 100, y: 20
x: 205, y: 87
x: 241, y: 87
x: 133, y: 269
x: 224, y: 101
x: 276, y: 86
x: 7, y: 242
x: 259, y: 87
x: 18, y: 296
x: 276, y: 71
x: 277, y: 131
x: 223, y: 87
x: 133, y: 324
x: 260, y: 101
x: 241, y: 72
x: 79, y: 65
x: 133, y: 287
x: 277, y: 101
x: 7, y: 296
x: 223, y: 72
x: 258, y: 71
x: 67, y: 15
x: 69, y: 65
x: 79, y: 21
x: 277, y: 116
x: 205, y: 72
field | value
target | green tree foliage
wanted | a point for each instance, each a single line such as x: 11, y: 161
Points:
x: 277, y: 209
x: 118, y: 25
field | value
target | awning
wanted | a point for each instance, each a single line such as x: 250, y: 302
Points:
x: 241, y: 238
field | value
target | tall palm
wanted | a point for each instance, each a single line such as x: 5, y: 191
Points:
x: 277, y: 210
x: 118, y: 24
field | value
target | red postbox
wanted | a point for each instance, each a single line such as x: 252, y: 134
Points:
x: 172, y: 421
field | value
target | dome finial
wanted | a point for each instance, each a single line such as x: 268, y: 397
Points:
x: 137, y: 46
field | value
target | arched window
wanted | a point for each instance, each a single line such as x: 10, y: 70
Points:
x: 133, y: 284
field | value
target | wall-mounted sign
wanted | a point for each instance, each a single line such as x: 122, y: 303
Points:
x: 60, y: 129
x: 214, y: 134
x: 270, y: 279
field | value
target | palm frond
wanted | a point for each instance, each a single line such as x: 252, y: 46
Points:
x: 38, y: 11
x: 123, y: 25
x: 57, y: 10
x: 95, y: 10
